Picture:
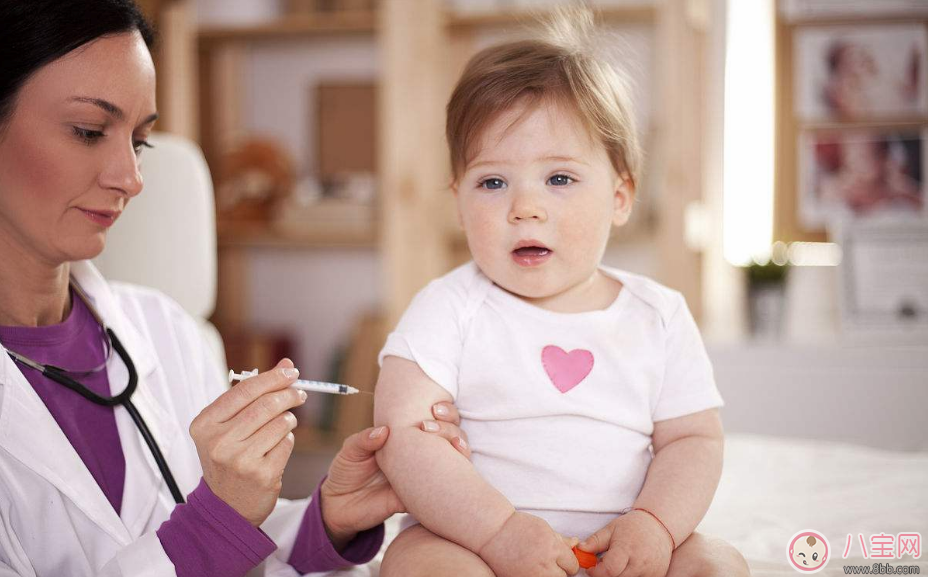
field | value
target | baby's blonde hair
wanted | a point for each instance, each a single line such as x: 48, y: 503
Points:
x: 558, y: 66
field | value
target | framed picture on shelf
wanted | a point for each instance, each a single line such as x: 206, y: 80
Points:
x: 861, y: 172
x: 884, y: 279
x: 793, y: 10
x: 861, y: 72
x: 345, y: 118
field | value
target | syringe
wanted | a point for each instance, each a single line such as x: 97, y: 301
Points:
x: 312, y: 386
x: 323, y: 387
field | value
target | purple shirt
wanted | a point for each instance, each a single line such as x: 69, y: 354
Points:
x: 76, y: 345
x: 205, y: 536
x: 314, y: 552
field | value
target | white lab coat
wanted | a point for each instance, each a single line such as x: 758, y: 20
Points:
x: 56, y: 521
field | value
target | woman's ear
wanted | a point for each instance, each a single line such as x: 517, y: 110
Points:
x: 624, y: 199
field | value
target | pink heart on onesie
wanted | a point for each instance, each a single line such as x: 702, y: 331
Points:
x: 566, y: 370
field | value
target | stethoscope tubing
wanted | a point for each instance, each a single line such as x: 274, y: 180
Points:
x: 155, y: 451
x: 123, y: 399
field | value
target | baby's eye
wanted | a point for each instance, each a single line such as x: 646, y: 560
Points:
x: 492, y: 184
x: 560, y: 180
x: 815, y: 556
x: 803, y: 554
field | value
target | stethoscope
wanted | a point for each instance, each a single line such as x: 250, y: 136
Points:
x: 61, y: 377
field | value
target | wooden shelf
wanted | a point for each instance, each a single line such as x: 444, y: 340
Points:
x: 260, y: 235
x: 898, y: 123
x: 295, y: 26
x: 363, y: 23
x: 632, y: 14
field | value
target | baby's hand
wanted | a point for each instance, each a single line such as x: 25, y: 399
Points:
x: 527, y: 546
x: 635, y: 544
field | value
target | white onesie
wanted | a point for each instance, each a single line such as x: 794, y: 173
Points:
x: 559, y: 408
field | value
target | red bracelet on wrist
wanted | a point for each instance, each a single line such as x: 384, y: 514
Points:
x: 673, y: 542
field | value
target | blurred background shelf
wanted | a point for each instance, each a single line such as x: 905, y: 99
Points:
x: 366, y: 22
x: 470, y: 22
x: 259, y: 235
x: 293, y: 27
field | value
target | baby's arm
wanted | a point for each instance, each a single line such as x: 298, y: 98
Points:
x: 685, y: 471
x: 677, y: 491
x: 445, y: 493
x: 439, y: 487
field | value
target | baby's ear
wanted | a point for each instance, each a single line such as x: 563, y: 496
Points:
x: 624, y: 199
x: 457, y: 204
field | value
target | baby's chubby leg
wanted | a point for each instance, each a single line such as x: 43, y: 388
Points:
x: 417, y: 552
x: 702, y: 556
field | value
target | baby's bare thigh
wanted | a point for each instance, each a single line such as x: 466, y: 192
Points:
x: 419, y: 552
x: 703, y: 556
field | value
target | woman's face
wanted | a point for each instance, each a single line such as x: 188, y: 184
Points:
x: 69, y: 153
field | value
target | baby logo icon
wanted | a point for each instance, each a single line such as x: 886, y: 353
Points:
x: 808, y: 551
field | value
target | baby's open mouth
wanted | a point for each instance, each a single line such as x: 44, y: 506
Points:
x: 532, y: 251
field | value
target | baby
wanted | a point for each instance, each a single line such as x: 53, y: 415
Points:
x: 586, y: 391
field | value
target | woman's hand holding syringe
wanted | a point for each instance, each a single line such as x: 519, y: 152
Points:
x: 311, y: 386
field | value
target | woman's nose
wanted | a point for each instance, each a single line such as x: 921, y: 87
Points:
x: 121, y: 172
x: 527, y: 205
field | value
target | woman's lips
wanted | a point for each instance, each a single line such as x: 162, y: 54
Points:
x: 104, y: 218
x: 528, y: 256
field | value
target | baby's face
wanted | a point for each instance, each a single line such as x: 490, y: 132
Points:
x: 806, y: 555
x: 537, y: 204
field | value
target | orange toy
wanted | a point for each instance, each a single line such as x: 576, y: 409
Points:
x: 586, y: 559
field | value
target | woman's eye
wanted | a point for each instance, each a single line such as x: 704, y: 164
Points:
x: 88, y: 136
x: 139, y: 145
x: 560, y: 180
x: 492, y: 184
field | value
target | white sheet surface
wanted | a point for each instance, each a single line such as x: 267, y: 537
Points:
x: 773, y: 487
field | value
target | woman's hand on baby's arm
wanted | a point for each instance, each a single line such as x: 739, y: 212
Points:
x: 526, y: 546
x: 447, y: 424
x: 356, y: 495
x: 635, y: 545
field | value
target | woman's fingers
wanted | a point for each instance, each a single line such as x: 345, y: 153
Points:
x: 362, y: 446
x: 462, y: 446
x: 244, y: 440
x: 447, y: 412
x: 233, y: 401
x: 262, y: 411
x: 276, y: 459
x: 270, y: 435
x: 450, y: 432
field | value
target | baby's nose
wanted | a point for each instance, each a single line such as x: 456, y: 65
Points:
x: 527, y: 206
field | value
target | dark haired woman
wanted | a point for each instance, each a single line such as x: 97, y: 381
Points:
x: 94, y: 480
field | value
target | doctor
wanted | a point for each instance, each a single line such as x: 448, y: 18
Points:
x: 81, y: 490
